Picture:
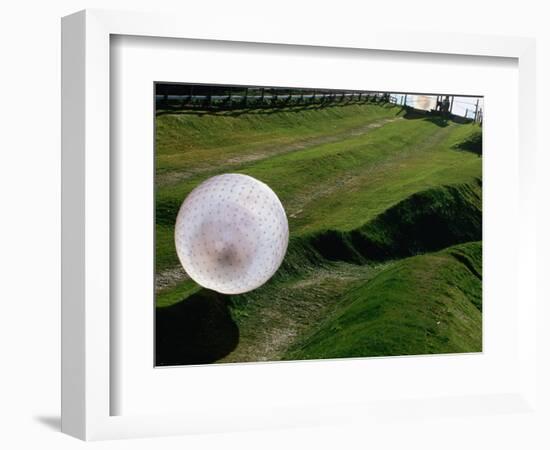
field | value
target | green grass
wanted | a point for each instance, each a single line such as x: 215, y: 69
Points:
x: 318, y: 275
x: 182, y: 290
x: 362, y: 186
x: 373, y: 171
x: 197, y: 140
x: 420, y: 305
x: 473, y: 142
x: 191, y: 148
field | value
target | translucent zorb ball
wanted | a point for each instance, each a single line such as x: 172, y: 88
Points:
x: 231, y: 233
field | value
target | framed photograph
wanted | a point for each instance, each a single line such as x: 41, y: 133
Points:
x: 265, y: 231
x: 300, y: 223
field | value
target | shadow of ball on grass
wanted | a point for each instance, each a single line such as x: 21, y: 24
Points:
x: 197, y: 330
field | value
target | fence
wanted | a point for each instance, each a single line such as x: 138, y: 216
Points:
x: 212, y: 98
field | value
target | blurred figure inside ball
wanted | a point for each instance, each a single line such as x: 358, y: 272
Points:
x: 231, y: 233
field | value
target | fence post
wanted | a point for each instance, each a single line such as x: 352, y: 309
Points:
x: 189, y: 98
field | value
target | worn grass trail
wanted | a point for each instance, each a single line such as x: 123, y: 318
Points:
x: 189, y: 143
x: 419, y: 305
x: 423, y: 304
x: 373, y: 170
x: 182, y: 181
x: 264, y: 150
x: 272, y: 318
x: 242, y: 151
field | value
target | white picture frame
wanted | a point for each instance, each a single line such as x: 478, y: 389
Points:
x: 87, y: 386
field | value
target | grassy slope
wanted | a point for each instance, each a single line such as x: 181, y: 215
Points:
x: 272, y: 317
x: 425, y: 221
x: 423, y: 304
x: 333, y: 174
x: 195, y: 140
x: 190, y: 148
x: 314, y: 282
x: 374, y: 170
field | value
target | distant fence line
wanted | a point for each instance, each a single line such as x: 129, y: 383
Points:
x: 231, y: 98
x: 219, y: 98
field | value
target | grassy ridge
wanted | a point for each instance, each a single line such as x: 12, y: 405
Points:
x: 192, y: 147
x: 309, y: 287
x: 362, y: 185
x: 195, y: 140
x: 426, y: 221
x: 319, y: 274
x: 374, y: 170
x: 423, y: 304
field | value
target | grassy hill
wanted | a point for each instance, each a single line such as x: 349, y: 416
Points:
x: 423, y: 304
x: 363, y: 186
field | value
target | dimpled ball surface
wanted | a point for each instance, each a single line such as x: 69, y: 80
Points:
x: 231, y: 233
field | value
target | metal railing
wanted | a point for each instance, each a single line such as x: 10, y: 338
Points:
x: 265, y: 98
x: 220, y: 98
